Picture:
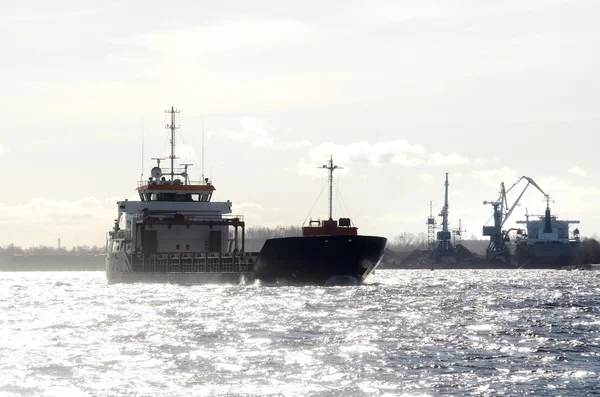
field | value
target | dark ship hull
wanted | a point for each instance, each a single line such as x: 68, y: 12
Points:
x: 550, y: 255
x: 319, y: 260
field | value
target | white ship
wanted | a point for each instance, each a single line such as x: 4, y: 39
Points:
x: 175, y: 233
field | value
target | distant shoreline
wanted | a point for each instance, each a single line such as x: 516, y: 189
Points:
x: 21, y: 263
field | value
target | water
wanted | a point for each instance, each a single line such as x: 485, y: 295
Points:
x: 413, y: 333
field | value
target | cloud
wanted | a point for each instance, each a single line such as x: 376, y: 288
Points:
x: 427, y: 178
x: 223, y: 58
x: 258, y: 134
x: 451, y: 159
x: 571, y: 198
x: 493, y: 177
x: 552, y: 184
x: 578, y: 171
x: 243, y: 35
x: 257, y: 214
x: 58, y: 212
x: 398, y: 152
x: 43, y: 220
x: 391, y: 152
x: 47, y: 17
x: 384, y: 12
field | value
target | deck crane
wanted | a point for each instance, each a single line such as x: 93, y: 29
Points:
x: 497, y: 247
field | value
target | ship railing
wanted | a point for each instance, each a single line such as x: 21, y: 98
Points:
x: 214, y: 217
x: 118, y: 234
x: 204, y: 262
x: 190, y: 216
x: 167, y: 182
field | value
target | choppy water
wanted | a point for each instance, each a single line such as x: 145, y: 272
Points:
x: 418, y: 333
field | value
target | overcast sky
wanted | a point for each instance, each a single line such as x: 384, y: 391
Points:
x: 399, y: 92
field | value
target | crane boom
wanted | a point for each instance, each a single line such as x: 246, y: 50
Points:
x: 514, y: 205
x: 535, y: 185
x: 529, y: 182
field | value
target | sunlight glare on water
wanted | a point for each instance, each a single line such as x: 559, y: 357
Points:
x: 411, y: 333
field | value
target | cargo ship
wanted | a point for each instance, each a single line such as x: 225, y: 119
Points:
x: 547, y: 241
x: 329, y: 252
x: 175, y: 233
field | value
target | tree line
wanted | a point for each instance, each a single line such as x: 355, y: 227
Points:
x: 77, y: 250
x: 256, y: 237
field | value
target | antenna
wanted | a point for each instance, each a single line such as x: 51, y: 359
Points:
x: 172, y: 127
x: 330, y: 168
x: 202, y: 122
x: 158, y: 159
x: 548, y: 200
x: 142, y: 174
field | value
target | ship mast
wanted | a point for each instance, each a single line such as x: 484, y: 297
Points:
x: 172, y: 127
x: 330, y: 168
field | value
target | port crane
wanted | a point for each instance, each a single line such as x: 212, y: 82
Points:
x: 458, y: 231
x: 444, y: 246
x: 497, y: 248
x: 431, y: 225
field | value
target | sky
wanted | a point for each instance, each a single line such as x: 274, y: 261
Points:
x: 398, y: 92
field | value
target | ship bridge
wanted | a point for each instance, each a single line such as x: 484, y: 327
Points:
x: 164, y: 190
x: 173, y: 184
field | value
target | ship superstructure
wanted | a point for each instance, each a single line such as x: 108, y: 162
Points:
x: 175, y: 233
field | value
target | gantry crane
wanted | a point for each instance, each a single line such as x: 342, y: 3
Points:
x: 497, y: 247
